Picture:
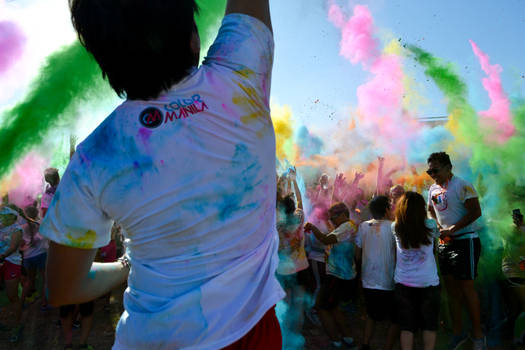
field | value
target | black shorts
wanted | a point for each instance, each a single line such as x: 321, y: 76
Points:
x: 335, y: 291
x: 417, y: 308
x: 459, y: 258
x: 380, y: 304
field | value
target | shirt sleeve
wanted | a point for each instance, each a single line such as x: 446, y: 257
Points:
x: 466, y: 191
x: 244, y: 45
x: 345, y: 231
x: 74, y: 217
x: 432, y: 225
x: 429, y: 198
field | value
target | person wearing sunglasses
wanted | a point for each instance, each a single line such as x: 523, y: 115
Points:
x: 454, y: 203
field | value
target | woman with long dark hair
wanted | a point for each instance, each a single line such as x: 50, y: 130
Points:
x: 417, y: 289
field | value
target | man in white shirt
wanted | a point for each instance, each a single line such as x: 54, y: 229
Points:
x: 186, y: 165
x: 454, y: 203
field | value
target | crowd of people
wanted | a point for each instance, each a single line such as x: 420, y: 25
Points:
x: 23, y: 256
x: 385, y: 249
x: 388, y: 251
x: 186, y: 167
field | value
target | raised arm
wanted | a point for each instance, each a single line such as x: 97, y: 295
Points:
x: 259, y: 9
x: 379, y: 180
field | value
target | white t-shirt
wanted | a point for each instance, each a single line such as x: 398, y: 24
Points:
x: 378, y: 246
x: 340, y: 256
x: 34, y: 244
x: 416, y: 267
x: 448, y: 203
x: 190, y: 177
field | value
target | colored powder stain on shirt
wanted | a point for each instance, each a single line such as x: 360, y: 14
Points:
x: 92, y: 274
x: 234, y: 202
x: 85, y: 242
x: 249, y: 104
x: 144, y: 135
x: 245, y: 72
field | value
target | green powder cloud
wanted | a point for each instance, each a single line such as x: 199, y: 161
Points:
x: 499, y: 170
x: 69, y: 80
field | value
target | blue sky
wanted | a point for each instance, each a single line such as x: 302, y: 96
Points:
x: 308, y: 67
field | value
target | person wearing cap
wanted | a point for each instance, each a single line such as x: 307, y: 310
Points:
x: 11, y: 264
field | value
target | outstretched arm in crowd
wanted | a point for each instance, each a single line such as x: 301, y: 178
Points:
x: 379, y: 180
x: 259, y: 9
x: 339, y: 190
x: 73, y: 278
x: 298, y: 197
x: 324, y: 238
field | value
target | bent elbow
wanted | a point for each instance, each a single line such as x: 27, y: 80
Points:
x: 478, y: 214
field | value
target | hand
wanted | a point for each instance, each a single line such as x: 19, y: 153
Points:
x: 339, y: 180
x: 446, y: 232
x: 358, y: 176
x: 292, y: 174
x: 308, y: 227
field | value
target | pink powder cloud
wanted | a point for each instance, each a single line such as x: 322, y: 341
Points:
x: 27, y: 180
x: 12, y: 42
x: 380, y: 99
x: 498, y: 117
x: 358, y: 43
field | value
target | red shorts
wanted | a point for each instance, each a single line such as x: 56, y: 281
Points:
x: 265, y: 335
x: 10, y: 271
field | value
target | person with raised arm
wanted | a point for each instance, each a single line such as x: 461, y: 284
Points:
x: 186, y: 166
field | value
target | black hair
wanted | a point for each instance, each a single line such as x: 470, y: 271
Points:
x: 143, y: 46
x: 379, y: 206
x: 440, y: 157
x: 51, y: 176
x: 338, y: 209
x: 286, y: 204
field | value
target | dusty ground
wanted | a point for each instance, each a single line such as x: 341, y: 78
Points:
x: 41, y: 331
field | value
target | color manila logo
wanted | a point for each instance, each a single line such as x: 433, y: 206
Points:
x: 151, y: 118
